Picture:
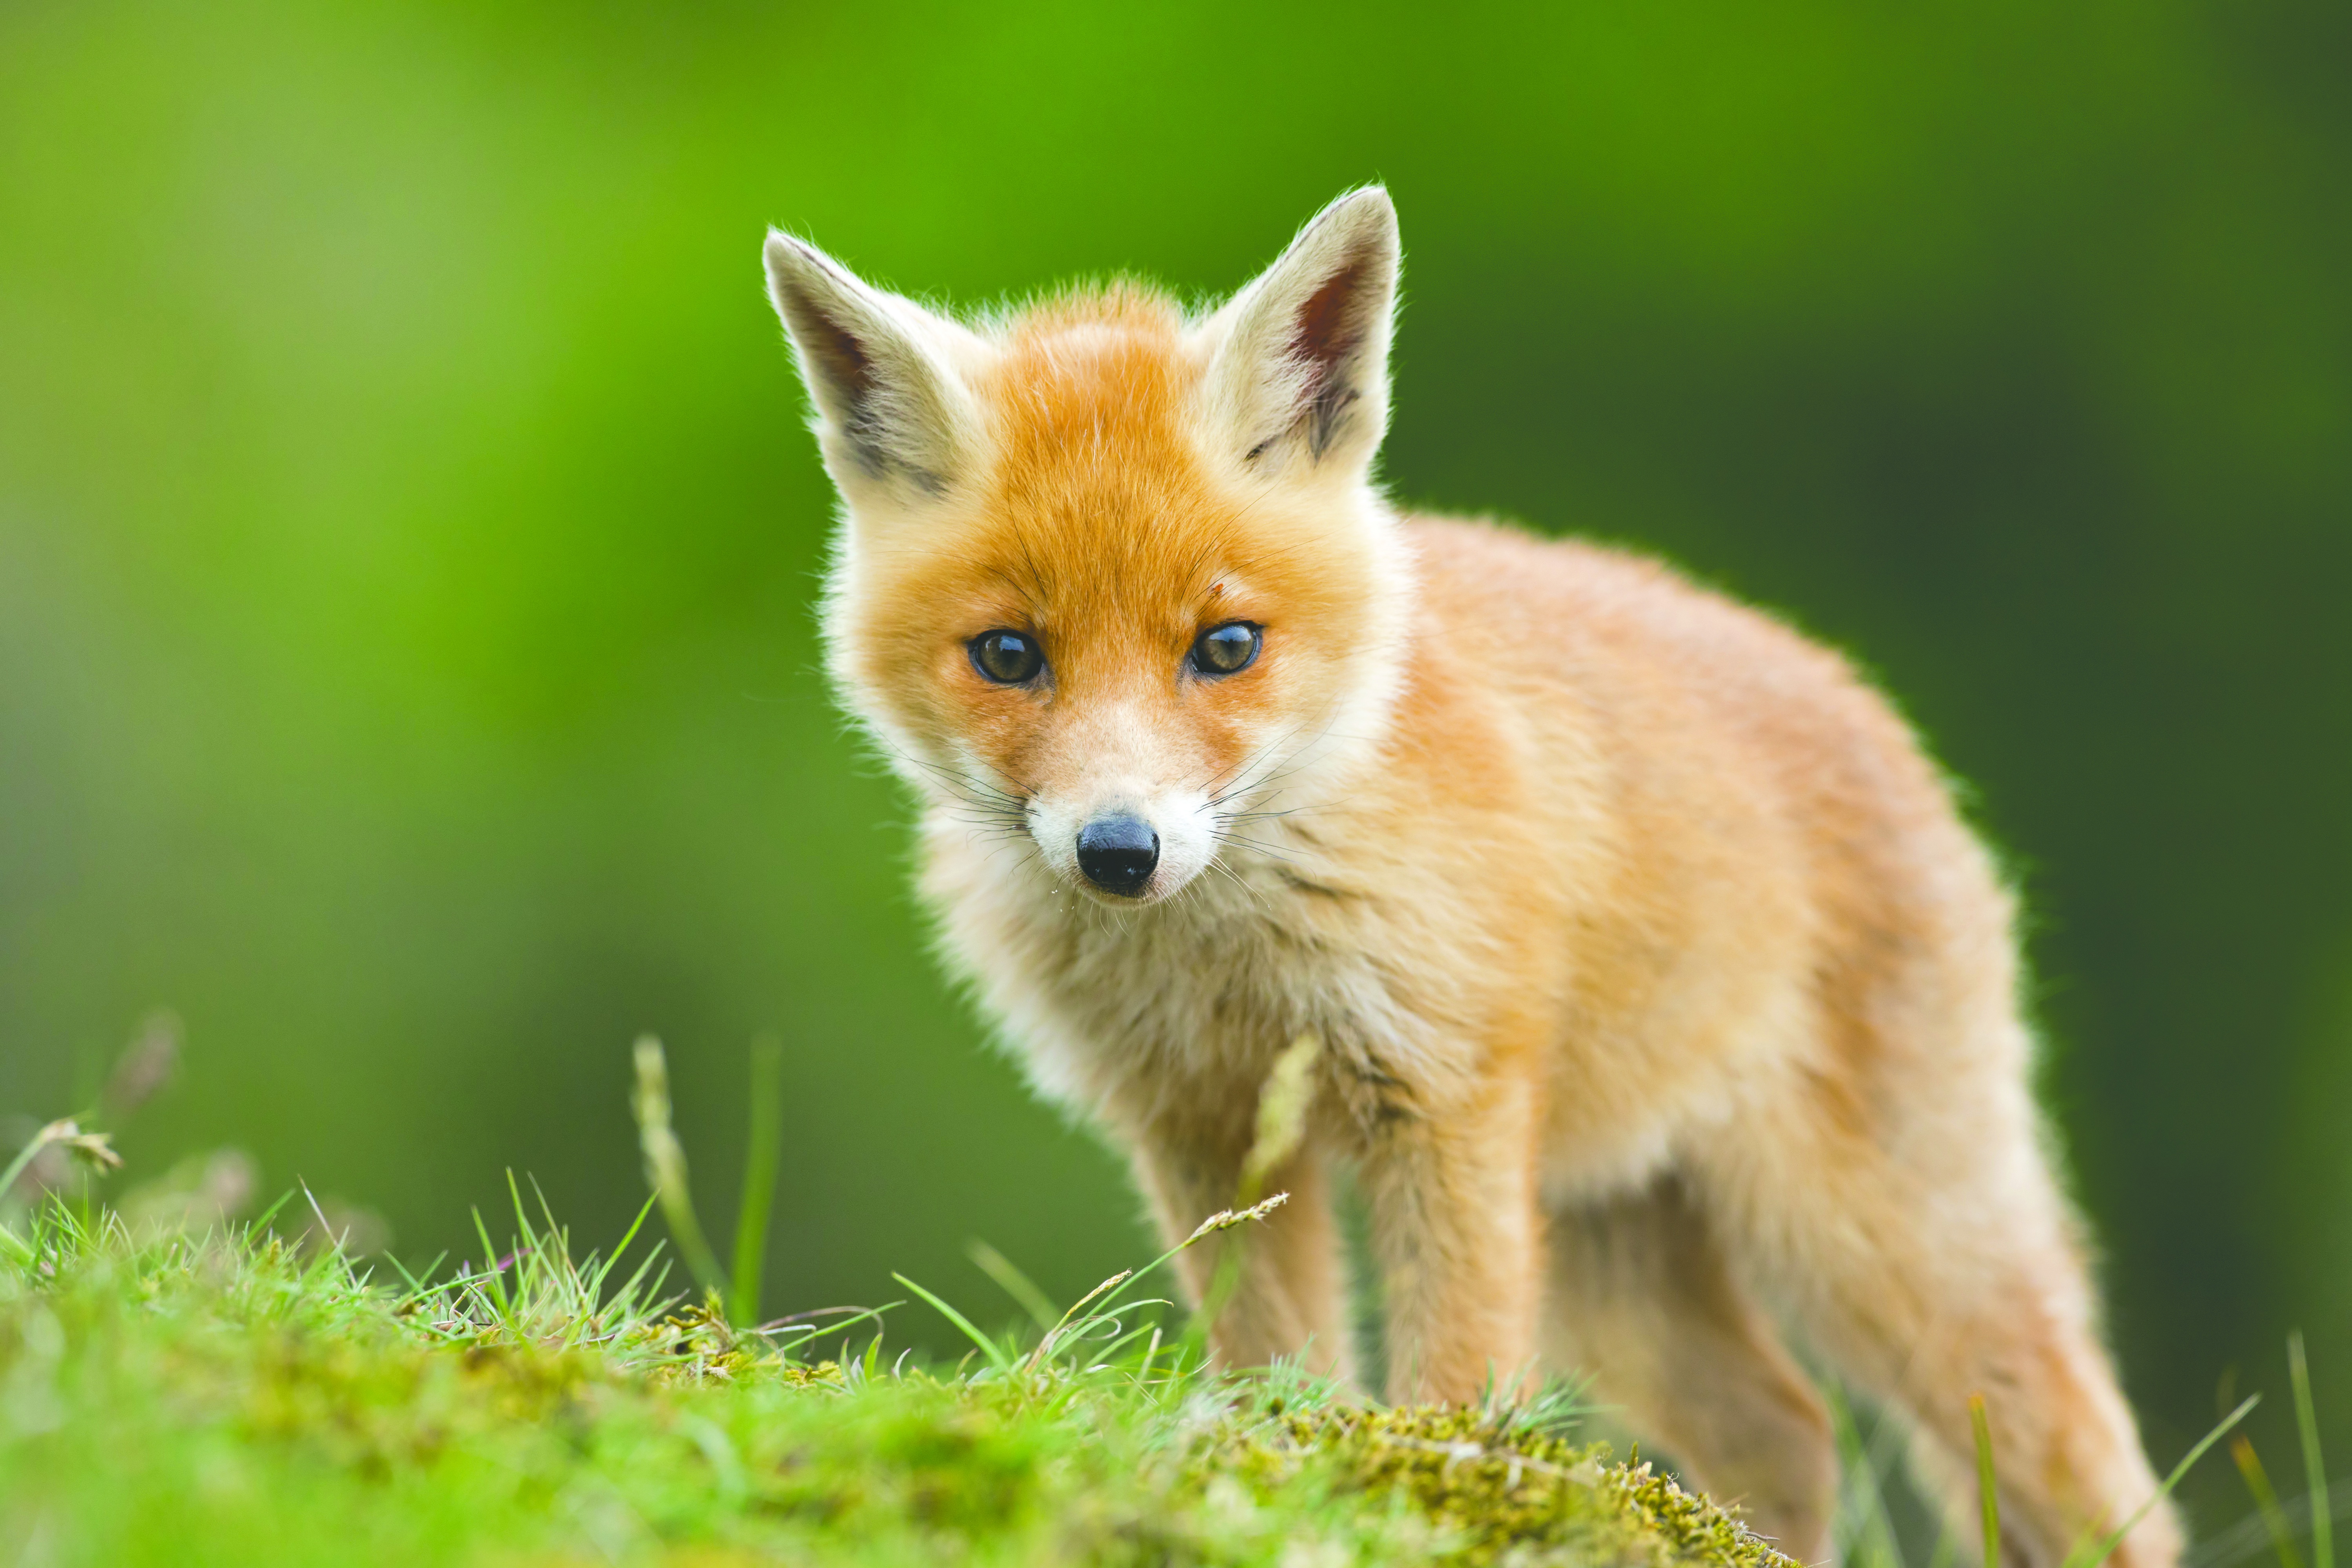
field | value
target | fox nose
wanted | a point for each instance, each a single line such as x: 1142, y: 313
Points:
x: 1117, y: 853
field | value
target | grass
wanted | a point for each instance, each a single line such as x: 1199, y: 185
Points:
x: 187, y: 1393
x: 238, y: 1398
x: 255, y: 1394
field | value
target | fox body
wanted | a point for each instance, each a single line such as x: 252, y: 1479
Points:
x: 1667, y: 1003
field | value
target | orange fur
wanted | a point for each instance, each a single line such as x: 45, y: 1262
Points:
x: 1667, y: 999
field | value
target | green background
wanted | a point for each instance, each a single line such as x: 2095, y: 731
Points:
x: 407, y: 533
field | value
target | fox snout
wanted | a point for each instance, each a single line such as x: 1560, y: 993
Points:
x: 1117, y: 853
x: 1123, y: 845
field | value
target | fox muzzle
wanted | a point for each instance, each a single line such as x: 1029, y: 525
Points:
x: 1117, y: 854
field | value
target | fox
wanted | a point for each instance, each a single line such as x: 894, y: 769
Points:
x: 1670, y: 1011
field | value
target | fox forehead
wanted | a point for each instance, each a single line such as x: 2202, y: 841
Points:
x: 1098, y: 491
x: 1089, y: 366
x: 1100, y: 511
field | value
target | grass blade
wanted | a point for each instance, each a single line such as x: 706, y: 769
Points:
x: 24, y: 1156
x: 1015, y: 1284
x: 2078, y: 1559
x: 1282, y: 1101
x: 2306, y: 1422
x: 1988, y: 1488
x: 1072, y: 1324
x: 261, y: 1222
x: 528, y: 1253
x: 760, y: 1160
x: 666, y: 1167
x: 2258, y: 1482
x: 635, y: 1225
x: 492, y: 1274
x: 1867, y: 1531
x: 996, y: 1353
x: 790, y: 1336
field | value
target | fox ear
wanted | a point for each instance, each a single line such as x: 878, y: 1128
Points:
x: 1301, y: 355
x: 889, y: 408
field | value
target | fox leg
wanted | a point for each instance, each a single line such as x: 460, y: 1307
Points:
x: 1640, y: 1296
x: 1954, y: 1272
x: 1290, y: 1297
x: 1455, y: 1228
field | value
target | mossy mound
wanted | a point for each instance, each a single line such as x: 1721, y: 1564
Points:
x: 1498, y: 1491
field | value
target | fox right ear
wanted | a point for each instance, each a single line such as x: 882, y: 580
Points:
x: 889, y: 408
x: 1300, y: 356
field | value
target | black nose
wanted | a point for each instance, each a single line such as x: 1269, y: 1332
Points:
x: 1117, y: 853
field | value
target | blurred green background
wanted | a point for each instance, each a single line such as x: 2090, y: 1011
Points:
x: 408, y: 535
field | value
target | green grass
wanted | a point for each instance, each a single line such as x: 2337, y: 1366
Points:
x: 238, y: 1398
x: 177, y: 1390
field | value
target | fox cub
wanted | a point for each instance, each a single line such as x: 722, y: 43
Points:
x: 1667, y: 1000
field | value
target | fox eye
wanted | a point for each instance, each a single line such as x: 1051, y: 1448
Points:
x: 1009, y: 659
x: 1226, y: 650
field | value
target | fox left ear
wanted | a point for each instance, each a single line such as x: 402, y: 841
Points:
x: 1300, y: 356
x: 890, y: 410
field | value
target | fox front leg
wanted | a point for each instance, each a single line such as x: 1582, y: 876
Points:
x: 1456, y: 1235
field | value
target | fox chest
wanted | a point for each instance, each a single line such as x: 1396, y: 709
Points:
x: 1108, y: 1006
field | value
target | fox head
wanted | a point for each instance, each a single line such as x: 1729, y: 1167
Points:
x: 1113, y: 580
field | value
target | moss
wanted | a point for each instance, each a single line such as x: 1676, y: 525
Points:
x: 1496, y: 1490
